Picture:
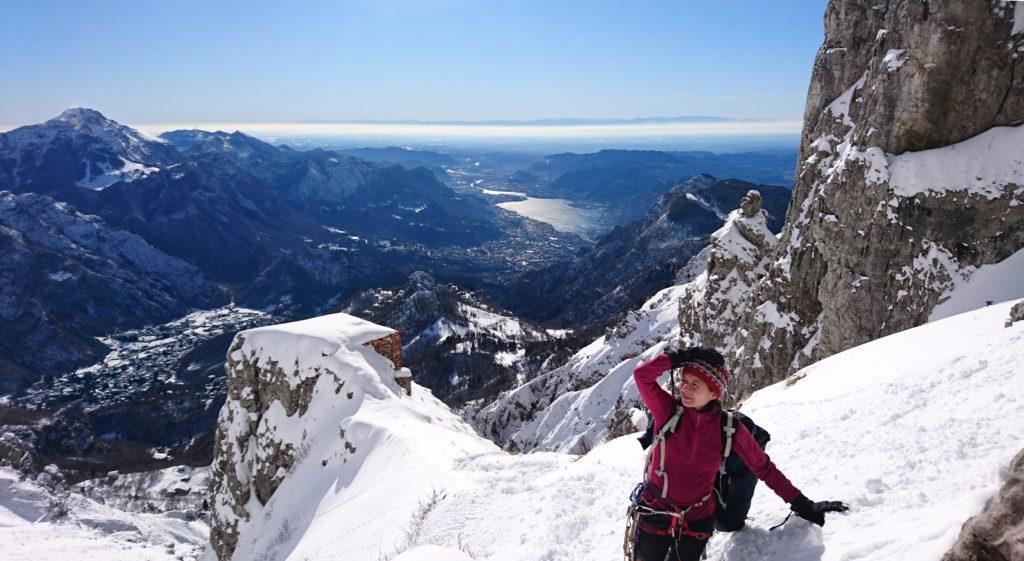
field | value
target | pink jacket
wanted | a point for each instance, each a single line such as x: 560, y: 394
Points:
x: 694, y: 450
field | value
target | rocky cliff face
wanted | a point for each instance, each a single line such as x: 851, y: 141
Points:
x: 273, y: 374
x: 911, y: 174
x: 312, y: 414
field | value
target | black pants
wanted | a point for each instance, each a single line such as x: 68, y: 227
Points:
x: 652, y: 547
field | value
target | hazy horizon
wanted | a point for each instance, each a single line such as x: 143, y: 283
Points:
x: 688, y: 133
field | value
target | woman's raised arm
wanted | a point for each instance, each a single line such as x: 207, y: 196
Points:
x: 659, y: 401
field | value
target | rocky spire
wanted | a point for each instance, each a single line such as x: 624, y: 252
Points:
x: 714, y: 301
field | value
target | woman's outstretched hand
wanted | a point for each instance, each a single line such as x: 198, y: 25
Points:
x: 815, y: 512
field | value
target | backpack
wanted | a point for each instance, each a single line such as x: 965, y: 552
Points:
x: 734, y: 487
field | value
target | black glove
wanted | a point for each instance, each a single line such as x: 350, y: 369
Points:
x: 709, y: 355
x: 679, y: 357
x: 815, y: 512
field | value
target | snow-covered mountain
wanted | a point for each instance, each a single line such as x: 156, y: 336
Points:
x: 330, y: 458
x: 461, y: 346
x: 80, y: 147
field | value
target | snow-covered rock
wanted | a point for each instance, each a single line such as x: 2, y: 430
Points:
x: 998, y: 532
x: 740, y: 254
x: 315, y: 432
x: 40, y: 523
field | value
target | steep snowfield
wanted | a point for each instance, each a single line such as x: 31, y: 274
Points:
x: 972, y: 287
x: 912, y: 430
x: 90, y: 531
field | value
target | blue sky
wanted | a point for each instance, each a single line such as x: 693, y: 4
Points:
x: 169, y: 62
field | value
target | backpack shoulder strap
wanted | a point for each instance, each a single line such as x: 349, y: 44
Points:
x: 664, y: 432
x: 728, y: 432
x: 670, y: 425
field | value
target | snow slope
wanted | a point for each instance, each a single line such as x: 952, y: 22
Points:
x: 578, y: 401
x: 90, y: 531
x: 972, y: 287
x: 912, y: 430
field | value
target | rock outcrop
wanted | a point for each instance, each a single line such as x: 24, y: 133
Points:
x: 1016, y: 313
x: 273, y: 374
x: 998, y: 532
x: 911, y: 171
x: 739, y: 258
x: 311, y: 411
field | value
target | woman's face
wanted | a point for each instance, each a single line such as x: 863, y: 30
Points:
x: 694, y: 392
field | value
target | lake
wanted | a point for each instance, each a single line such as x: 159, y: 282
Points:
x: 561, y: 215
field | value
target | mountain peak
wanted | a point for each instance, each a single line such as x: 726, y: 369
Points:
x: 422, y: 279
x: 79, y: 116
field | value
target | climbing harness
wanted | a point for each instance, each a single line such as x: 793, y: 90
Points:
x: 677, y: 526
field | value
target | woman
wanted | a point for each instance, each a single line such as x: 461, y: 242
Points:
x: 677, y: 501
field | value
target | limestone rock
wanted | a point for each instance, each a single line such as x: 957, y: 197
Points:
x: 715, y: 301
x: 1016, y: 313
x: 274, y: 374
x: 998, y: 532
x: 909, y: 174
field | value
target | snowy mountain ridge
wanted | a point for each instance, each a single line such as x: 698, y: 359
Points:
x: 298, y: 442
